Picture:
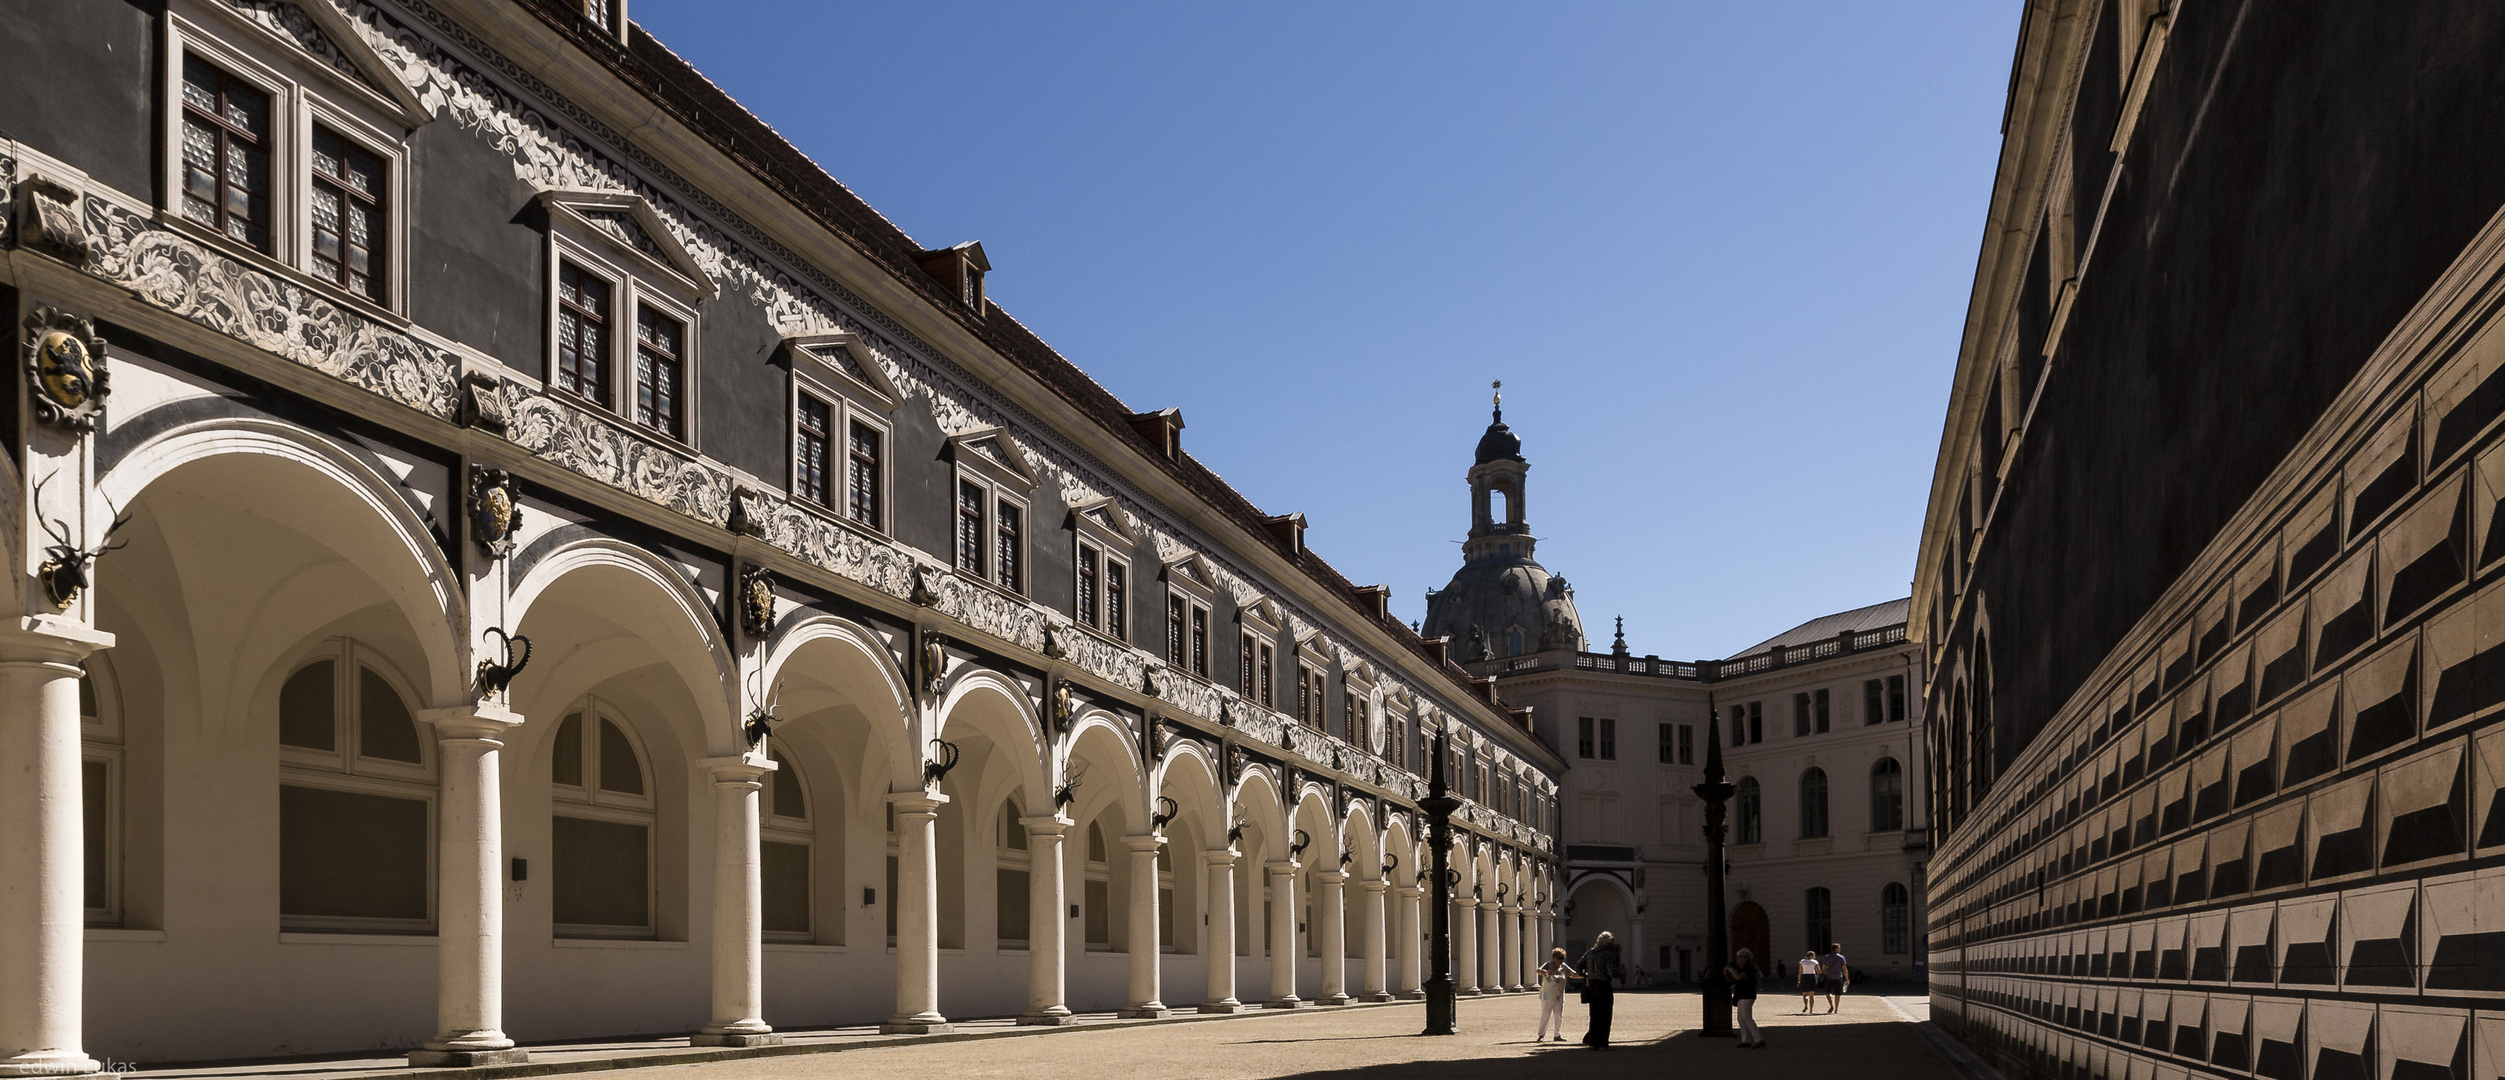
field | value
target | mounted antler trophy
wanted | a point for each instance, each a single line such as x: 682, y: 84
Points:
x: 944, y: 756
x: 64, y: 570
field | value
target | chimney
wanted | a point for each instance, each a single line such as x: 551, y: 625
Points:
x: 1163, y: 429
x: 1289, y: 531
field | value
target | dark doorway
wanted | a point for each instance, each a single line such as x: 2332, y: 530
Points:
x: 1749, y: 931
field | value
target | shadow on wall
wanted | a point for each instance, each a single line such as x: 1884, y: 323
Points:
x: 1879, y: 1051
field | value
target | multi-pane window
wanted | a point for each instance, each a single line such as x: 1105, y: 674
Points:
x: 1813, y: 804
x: 1586, y: 743
x: 601, y: 835
x: 1895, y: 697
x: 783, y: 855
x: 1245, y: 670
x: 813, y: 478
x: 583, y: 306
x: 970, y: 527
x: 1818, y: 711
x: 1608, y: 739
x: 1887, y: 796
x: 1670, y: 743
x: 1009, y: 525
x: 1117, y: 600
x: 1800, y: 715
x: 1873, y: 701
x: 1352, y: 717
x: 1178, y: 616
x: 355, y: 800
x: 226, y: 154
x: 863, y: 480
x: 660, y: 372
x: 1819, y: 907
x: 349, y: 212
x: 1200, y: 641
x: 1269, y: 698
x: 1091, y: 585
x: 1748, y: 723
x: 1011, y: 876
x: 1687, y: 744
x: 1309, y: 697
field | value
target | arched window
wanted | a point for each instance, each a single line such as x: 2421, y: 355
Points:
x: 784, y: 855
x: 1097, y: 899
x: 1819, y: 908
x: 355, y: 799
x: 1513, y: 641
x: 602, y: 833
x: 1012, y: 881
x: 1895, y: 920
x: 1813, y: 804
x: 1748, y: 813
x: 1887, y: 796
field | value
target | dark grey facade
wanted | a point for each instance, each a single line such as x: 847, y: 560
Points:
x: 2207, y: 558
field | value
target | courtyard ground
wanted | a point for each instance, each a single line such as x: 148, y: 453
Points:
x: 1881, y: 1038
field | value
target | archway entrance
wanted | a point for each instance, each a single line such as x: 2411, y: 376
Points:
x: 1749, y: 931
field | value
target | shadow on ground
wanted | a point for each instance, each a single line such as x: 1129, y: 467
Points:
x: 1874, y: 1051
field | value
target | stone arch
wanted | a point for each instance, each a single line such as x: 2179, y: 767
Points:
x: 978, y: 700
x: 823, y: 666
x: 651, y: 606
x: 316, y: 475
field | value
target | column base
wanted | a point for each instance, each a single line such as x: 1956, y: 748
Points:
x: 911, y: 1026
x: 1229, y: 1007
x: 1291, y: 1001
x: 1469, y: 991
x: 1151, y: 1011
x: 1377, y: 997
x: 1418, y: 994
x: 1053, y: 1017
x: 1334, y: 999
x: 462, y: 1059
x: 735, y: 1038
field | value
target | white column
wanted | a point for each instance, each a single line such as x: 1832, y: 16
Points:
x: 1331, y: 908
x: 1221, y: 948
x: 738, y: 907
x: 1527, y: 957
x: 1465, y: 923
x: 469, y: 880
x: 1047, y: 927
x: 1412, y: 946
x: 917, y: 916
x: 1373, y: 938
x: 1147, y: 953
x: 1283, y: 945
x: 43, y: 905
x: 1491, y: 968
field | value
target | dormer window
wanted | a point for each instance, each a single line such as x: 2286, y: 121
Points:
x: 959, y: 270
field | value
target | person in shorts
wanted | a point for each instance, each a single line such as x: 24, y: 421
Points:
x: 1806, y: 980
x: 1833, y: 975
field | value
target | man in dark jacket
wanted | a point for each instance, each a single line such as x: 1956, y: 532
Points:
x: 1600, y: 977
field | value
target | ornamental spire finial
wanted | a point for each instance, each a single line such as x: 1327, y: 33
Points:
x: 1499, y: 387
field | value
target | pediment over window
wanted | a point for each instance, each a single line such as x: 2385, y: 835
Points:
x: 1105, y: 518
x: 626, y: 224
x: 322, y: 35
x: 842, y: 362
x: 994, y: 452
x: 1262, y: 615
x: 1192, y: 572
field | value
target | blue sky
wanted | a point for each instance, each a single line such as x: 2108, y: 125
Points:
x: 1719, y: 254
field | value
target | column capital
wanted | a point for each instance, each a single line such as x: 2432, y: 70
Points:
x: 1408, y: 892
x: 1220, y: 856
x: 55, y: 638
x: 1045, y: 825
x: 1373, y: 885
x: 744, y: 768
x: 1465, y: 902
x: 1144, y: 842
x: 1283, y: 866
x: 478, y: 720
x: 917, y: 802
x: 1332, y: 877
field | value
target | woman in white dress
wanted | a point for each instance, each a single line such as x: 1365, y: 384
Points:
x: 1553, y: 977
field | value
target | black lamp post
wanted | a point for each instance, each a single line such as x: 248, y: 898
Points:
x: 1716, y: 793
x: 1439, y: 806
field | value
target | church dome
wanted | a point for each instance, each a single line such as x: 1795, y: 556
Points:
x: 1516, y: 606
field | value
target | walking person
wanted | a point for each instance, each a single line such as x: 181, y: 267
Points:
x: 1600, y: 977
x: 1553, y: 977
x: 1806, y: 981
x: 1742, y: 975
x: 1833, y: 975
